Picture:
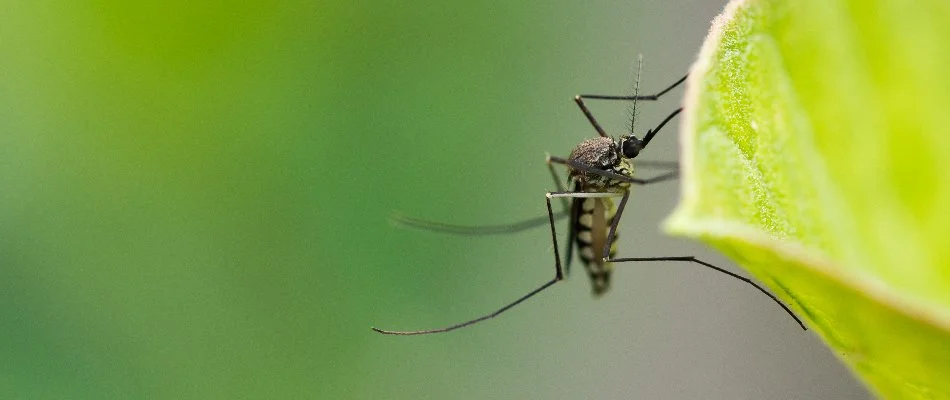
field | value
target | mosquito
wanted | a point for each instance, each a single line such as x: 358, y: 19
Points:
x: 601, y: 171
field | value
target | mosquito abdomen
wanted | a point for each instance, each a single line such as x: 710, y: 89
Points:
x: 592, y: 223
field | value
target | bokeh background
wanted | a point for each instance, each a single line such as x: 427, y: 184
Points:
x: 194, y: 201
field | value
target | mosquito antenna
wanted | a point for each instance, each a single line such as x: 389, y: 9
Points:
x: 636, y: 94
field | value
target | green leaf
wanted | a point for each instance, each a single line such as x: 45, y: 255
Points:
x: 816, y: 153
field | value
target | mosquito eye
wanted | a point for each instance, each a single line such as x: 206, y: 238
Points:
x: 631, y: 147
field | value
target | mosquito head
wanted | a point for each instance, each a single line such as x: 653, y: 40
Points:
x: 629, y: 146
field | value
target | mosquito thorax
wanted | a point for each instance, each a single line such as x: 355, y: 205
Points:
x: 605, y: 154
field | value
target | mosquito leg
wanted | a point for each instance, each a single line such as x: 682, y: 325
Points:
x: 571, y: 236
x: 713, y: 267
x: 657, y: 179
x: 558, y: 272
x: 473, y: 230
x: 569, y: 208
x: 474, y: 321
x: 614, y: 223
x: 579, y: 99
x: 653, y: 164
x: 647, y: 97
x: 558, y: 183
x: 611, y: 175
x: 478, y: 230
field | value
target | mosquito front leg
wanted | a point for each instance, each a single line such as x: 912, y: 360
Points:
x: 611, y: 175
x: 579, y: 99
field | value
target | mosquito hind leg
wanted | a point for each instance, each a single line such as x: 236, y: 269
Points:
x: 478, y: 230
x: 715, y: 268
x: 558, y: 274
x: 613, y: 231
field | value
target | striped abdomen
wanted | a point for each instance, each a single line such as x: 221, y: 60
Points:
x: 592, y: 219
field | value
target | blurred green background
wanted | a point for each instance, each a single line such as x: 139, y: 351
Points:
x: 194, y: 201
